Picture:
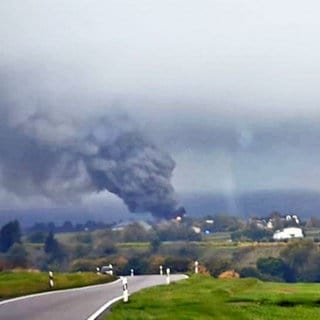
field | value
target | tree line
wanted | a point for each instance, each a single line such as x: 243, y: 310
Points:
x: 14, y: 254
x: 169, y: 243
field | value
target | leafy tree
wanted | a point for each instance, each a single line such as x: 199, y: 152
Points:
x: 257, y: 234
x: 155, y: 262
x: 139, y: 263
x: 303, y: 257
x: 177, y: 231
x: 216, y: 265
x: 120, y: 265
x: 54, y: 250
x: 9, y: 234
x: 155, y: 244
x: 178, y: 264
x: 275, y: 267
x: 83, y: 265
x: 252, y: 232
x: 136, y: 233
x: 17, y: 256
x: 224, y: 222
x: 249, y: 272
x: 271, y: 265
x: 51, y: 244
x: 312, y: 273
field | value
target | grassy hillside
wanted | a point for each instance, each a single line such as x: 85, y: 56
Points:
x: 205, y: 298
x: 215, y: 244
x: 13, y: 284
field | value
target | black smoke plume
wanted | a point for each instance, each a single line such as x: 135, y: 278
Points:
x: 136, y: 171
x: 45, y: 151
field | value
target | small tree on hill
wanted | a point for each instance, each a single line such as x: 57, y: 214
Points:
x: 54, y: 250
x: 51, y: 244
x: 9, y: 234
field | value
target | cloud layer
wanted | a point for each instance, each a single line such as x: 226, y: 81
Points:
x: 229, y: 89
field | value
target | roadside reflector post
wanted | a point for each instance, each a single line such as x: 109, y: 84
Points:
x: 168, y: 276
x: 161, y: 270
x: 51, y: 283
x: 196, y: 267
x: 111, y: 269
x: 125, y: 289
x: 132, y: 272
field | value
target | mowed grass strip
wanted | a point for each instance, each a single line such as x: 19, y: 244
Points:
x: 14, y: 284
x: 205, y: 298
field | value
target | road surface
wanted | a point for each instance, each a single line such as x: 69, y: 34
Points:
x: 74, y: 304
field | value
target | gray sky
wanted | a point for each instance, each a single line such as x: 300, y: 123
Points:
x: 229, y: 88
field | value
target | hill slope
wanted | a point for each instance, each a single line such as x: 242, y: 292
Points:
x: 205, y: 298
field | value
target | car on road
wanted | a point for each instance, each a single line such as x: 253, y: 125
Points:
x: 107, y: 269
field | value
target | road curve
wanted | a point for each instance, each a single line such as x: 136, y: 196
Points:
x: 74, y: 304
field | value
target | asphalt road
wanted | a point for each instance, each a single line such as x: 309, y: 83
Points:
x: 74, y: 304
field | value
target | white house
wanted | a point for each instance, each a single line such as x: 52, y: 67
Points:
x: 288, y: 233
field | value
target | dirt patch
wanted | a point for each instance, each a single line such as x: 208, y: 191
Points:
x: 230, y: 274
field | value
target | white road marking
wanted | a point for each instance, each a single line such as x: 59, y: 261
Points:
x: 111, y: 302
x: 56, y: 291
x: 104, y: 307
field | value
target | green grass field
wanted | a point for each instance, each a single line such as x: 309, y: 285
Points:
x: 14, y: 284
x: 205, y: 298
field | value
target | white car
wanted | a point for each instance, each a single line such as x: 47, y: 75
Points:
x: 107, y: 269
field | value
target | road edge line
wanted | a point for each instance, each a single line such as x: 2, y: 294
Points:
x: 34, y: 295
x: 103, y: 308
x: 95, y: 315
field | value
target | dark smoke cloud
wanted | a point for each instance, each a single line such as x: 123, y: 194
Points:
x: 45, y: 152
x: 137, y: 172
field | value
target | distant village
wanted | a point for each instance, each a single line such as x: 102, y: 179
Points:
x: 275, y: 227
x: 291, y: 226
x: 282, y: 227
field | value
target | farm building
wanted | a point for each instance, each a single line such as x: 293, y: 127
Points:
x: 288, y: 233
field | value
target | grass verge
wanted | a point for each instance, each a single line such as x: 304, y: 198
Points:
x: 205, y: 298
x: 14, y: 284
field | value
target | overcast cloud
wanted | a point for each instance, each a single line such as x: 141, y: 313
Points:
x: 228, y: 88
